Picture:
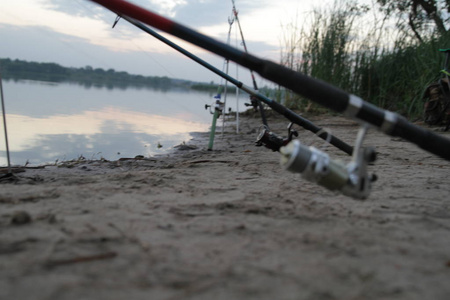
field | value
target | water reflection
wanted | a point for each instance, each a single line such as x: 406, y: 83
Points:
x: 63, y: 122
x: 112, y: 146
x: 109, y: 133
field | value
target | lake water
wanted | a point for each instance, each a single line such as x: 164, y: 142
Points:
x: 48, y: 121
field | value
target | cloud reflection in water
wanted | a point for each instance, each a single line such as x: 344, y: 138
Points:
x: 96, y: 134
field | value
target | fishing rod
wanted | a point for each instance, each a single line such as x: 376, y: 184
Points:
x: 316, y: 90
x: 256, y: 104
x: 226, y: 66
x: 218, y: 109
x: 351, y: 179
x: 235, y: 13
x: 266, y: 137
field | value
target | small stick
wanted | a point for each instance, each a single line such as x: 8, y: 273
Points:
x: 4, y: 125
x: 80, y: 259
x: 208, y: 161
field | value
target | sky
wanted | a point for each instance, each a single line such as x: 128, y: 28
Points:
x: 78, y: 33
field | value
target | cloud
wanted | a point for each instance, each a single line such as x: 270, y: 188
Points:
x: 169, y: 7
x: 196, y: 13
x: 78, y: 33
x: 74, y: 8
x: 42, y: 44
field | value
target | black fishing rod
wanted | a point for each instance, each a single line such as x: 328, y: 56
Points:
x: 316, y: 90
x: 266, y: 137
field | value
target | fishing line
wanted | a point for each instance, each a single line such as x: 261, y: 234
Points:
x: 227, y: 64
x: 290, y: 115
x: 351, y: 179
x: 206, y: 99
x: 327, y: 140
x: 147, y: 54
x: 257, y: 105
x: 107, y: 21
x: 237, y: 90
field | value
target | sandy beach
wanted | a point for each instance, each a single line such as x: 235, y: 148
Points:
x: 228, y: 224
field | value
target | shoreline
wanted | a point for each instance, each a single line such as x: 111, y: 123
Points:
x: 198, y: 142
x: 228, y: 224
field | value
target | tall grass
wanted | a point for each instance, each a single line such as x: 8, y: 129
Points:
x: 398, y: 77
x: 357, y: 50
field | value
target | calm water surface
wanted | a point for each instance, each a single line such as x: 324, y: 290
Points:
x: 49, y: 122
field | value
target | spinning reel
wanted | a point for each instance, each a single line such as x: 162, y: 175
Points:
x: 273, y: 141
x: 253, y: 103
x: 351, y: 179
x: 217, y: 105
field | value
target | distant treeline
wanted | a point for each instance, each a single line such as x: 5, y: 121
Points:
x: 212, y: 87
x: 88, y: 76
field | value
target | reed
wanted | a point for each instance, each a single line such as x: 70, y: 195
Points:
x: 362, y: 54
x: 399, y: 76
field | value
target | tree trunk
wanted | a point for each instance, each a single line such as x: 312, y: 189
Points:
x: 432, y: 13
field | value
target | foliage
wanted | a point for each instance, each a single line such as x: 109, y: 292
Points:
x: 325, y: 50
x: 397, y: 79
x: 422, y: 17
x: 18, y: 69
x: 364, y: 55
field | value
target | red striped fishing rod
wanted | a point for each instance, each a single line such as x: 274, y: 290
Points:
x: 266, y: 138
x: 351, y: 179
x: 316, y: 90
